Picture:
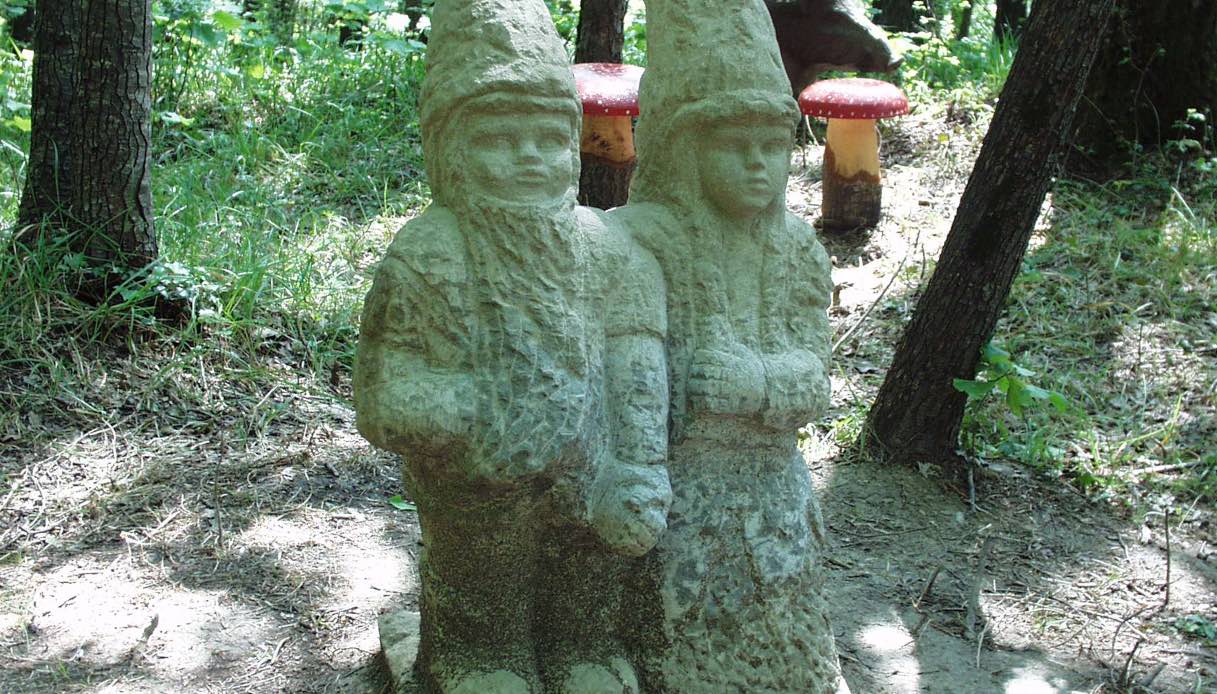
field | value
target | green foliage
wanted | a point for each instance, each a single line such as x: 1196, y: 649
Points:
x: 1115, y: 309
x: 999, y: 372
x: 1199, y: 627
x: 401, y: 504
x: 15, y: 72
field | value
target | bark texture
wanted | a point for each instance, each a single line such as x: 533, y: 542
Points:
x: 1158, y: 60
x: 896, y: 15
x: 1010, y: 15
x: 112, y: 122
x: 601, y: 39
x: 49, y: 173
x: 917, y: 414
x: 89, y: 174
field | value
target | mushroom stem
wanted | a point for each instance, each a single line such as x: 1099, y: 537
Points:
x: 852, y: 185
x: 608, y: 139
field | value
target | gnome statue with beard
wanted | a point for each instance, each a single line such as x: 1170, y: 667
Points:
x: 520, y: 377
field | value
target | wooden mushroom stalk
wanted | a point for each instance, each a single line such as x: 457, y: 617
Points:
x: 853, y: 188
x: 609, y: 93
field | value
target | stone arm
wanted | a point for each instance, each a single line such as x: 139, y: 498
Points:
x: 632, y: 493
x: 796, y: 374
x: 414, y: 390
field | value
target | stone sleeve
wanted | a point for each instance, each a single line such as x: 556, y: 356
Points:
x: 414, y: 390
x: 797, y: 382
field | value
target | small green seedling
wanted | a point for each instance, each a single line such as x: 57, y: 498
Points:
x: 401, y: 504
x: 999, y: 372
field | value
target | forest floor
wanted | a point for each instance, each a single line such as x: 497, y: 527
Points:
x: 167, y: 527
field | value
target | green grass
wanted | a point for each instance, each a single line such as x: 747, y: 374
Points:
x: 280, y: 173
x: 1114, y: 309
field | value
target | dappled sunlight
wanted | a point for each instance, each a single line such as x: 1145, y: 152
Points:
x: 1034, y: 679
x: 107, y: 611
x: 890, y: 649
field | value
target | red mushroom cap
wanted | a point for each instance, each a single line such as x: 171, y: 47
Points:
x: 853, y: 97
x: 608, y: 89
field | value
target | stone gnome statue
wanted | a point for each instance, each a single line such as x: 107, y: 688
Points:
x: 521, y: 380
x: 732, y: 597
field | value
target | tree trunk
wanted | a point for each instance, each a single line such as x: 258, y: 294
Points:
x: 896, y: 15
x: 917, y: 413
x: 21, y: 27
x: 963, y: 20
x: 49, y: 172
x: 1008, y: 21
x: 601, y: 39
x: 1159, y: 60
x: 111, y: 202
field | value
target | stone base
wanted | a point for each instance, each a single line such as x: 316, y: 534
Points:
x: 399, y: 638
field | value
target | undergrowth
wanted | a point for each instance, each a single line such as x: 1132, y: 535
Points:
x: 1114, y: 309
x: 280, y: 171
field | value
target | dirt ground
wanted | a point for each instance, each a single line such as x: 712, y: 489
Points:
x: 158, y: 552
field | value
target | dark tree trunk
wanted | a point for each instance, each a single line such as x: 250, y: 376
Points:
x: 281, y: 14
x: 88, y: 176
x: 896, y: 15
x: 963, y: 21
x: 601, y: 39
x: 1159, y: 60
x: 1009, y: 18
x: 49, y: 173
x: 917, y: 414
x: 21, y: 27
x: 112, y: 121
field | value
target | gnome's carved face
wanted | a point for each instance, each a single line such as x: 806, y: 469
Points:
x: 520, y: 158
x: 743, y: 166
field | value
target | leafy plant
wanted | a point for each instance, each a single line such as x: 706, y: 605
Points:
x: 1198, y: 626
x: 999, y: 372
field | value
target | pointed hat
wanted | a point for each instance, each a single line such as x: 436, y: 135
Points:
x: 505, y: 51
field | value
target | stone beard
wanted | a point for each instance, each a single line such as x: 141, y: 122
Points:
x: 533, y: 289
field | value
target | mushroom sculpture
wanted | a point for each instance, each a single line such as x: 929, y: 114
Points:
x: 853, y: 189
x: 609, y: 93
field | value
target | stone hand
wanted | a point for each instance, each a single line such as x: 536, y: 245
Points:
x: 797, y: 389
x: 630, y: 507
x: 726, y: 379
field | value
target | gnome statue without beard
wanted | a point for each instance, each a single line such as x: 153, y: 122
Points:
x: 511, y: 351
x: 731, y: 599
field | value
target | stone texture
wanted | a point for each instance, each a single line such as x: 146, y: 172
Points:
x: 521, y: 380
x: 731, y: 599
x: 597, y: 412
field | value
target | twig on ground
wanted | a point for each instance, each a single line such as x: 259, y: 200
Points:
x: 891, y: 280
x: 1125, y: 673
x: 928, y: 585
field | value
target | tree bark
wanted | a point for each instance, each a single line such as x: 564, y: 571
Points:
x: 896, y: 15
x: 917, y: 413
x: 49, y: 172
x: 111, y: 204
x: 21, y: 27
x: 1009, y: 18
x: 1159, y: 60
x: 963, y: 20
x: 601, y: 39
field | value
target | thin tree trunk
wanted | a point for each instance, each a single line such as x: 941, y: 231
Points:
x: 49, y: 172
x: 917, y: 413
x: 1009, y: 18
x: 963, y: 23
x: 601, y: 39
x: 896, y: 15
x: 111, y: 204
